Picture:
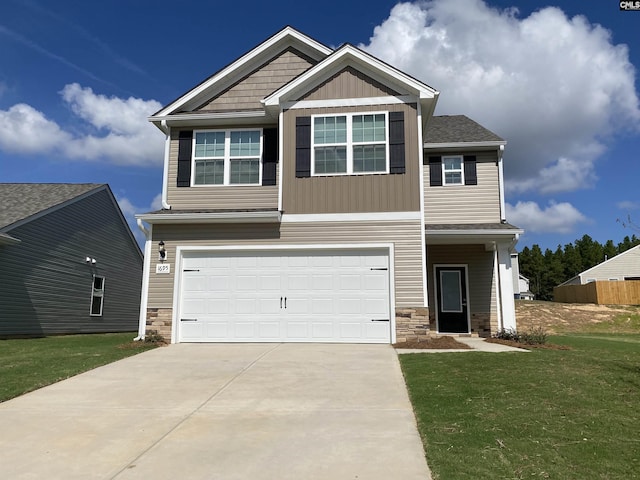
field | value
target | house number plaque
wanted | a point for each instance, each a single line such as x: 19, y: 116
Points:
x: 163, y: 268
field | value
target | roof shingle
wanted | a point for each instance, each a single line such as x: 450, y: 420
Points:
x: 458, y: 129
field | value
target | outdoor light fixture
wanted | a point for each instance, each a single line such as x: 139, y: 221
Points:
x: 90, y: 260
x: 162, y: 253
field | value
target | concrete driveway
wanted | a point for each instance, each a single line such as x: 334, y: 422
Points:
x: 220, y: 411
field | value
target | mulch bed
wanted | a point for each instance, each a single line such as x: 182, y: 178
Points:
x: 444, y: 343
x: 511, y: 343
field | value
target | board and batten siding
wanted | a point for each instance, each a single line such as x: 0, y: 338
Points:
x: 464, y: 203
x: 203, y: 197
x: 482, y: 291
x: 405, y: 235
x: 352, y: 193
x: 45, y: 282
x: 349, y: 83
x: 247, y: 93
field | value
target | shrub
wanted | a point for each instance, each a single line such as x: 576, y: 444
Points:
x: 533, y: 336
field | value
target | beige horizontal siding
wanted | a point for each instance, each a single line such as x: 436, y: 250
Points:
x: 620, y: 266
x: 482, y: 291
x: 352, y: 193
x: 465, y: 203
x: 215, y: 196
x: 348, y: 83
x: 404, y: 235
x: 247, y: 93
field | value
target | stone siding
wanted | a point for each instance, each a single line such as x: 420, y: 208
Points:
x: 159, y: 321
x: 412, y: 324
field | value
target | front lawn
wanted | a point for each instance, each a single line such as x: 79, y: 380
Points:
x: 29, y: 364
x: 558, y: 414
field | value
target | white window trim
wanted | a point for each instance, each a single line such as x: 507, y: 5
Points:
x: 93, y: 294
x: 444, y: 172
x: 227, y: 157
x: 349, y: 144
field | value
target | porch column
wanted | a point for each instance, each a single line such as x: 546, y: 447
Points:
x: 506, y: 287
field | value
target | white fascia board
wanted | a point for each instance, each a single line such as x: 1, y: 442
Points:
x: 212, y: 217
x: 440, y: 146
x: 344, y: 55
x: 486, y: 233
x: 351, y: 217
x: 189, y: 118
x: 225, y: 73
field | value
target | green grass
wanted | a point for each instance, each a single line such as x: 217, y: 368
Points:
x: 557, y: 414
x: 29, y: 364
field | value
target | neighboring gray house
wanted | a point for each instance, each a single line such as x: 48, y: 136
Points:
x: 68, y: 261
x: 624, y: 266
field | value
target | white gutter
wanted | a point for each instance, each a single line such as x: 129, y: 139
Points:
x: 503, y: 213
x: 165, y: 172
x: 212, y: 217
x: 505, y: 232
x: 440, y: 146
x: 144, y: 293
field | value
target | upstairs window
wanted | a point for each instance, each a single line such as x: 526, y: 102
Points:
x: 97, y: 296
x: 227, y: 157
x: 453, y: 170
x: 350, y: 144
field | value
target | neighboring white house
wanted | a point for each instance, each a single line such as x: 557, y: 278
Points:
x: 625, y: 266
x: 520, y: 282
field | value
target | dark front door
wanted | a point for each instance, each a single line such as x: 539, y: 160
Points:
x: 451, y: 289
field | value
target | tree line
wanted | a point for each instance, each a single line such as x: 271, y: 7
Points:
x: 548, y: 269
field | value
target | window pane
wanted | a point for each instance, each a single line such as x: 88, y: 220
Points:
x: 369, y: 128
x: 96, y: 306
x: 453, y: 163
x: 451, y: 295
x: 245, y: 144
x: 330, y: 130
x: 244, y: 171
x: 453, y: 178
x: 209, y: 172
x: 209, y: 144
x: 369, y: 158
x: 330, y: 160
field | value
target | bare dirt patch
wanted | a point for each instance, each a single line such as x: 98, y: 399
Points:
x: 444, y: 343
x: 558, y: 318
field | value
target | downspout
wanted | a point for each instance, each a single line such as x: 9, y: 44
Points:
x: 503, y: 213
x: 165, y: 174
x: 144, y: 294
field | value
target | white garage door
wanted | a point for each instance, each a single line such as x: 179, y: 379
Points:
x: 285, y: 297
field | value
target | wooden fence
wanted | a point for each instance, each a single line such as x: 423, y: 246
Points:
x: 601, y: 292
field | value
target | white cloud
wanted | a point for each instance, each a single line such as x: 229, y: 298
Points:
x: 555, y: 218
x: 555, y: 87
x: 110, y: 128
x: 129, y: 210
x: 628, y: 205
x: 156, y: 203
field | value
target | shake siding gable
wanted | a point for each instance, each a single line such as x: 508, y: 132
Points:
x: 352, y: 193
x: 478, y: 203
x: 247, y: 93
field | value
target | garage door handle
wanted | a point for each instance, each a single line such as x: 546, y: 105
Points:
x: 385, y: 269
x: 379, y: 319
x: 188, y: 319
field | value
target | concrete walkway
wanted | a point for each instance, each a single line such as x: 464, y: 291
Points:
x: 476, y: 344
x: 223, y: 411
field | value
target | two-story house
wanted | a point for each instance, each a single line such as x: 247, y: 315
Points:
x: 311, y: 195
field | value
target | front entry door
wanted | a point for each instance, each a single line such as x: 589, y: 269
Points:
x: 451, y: 289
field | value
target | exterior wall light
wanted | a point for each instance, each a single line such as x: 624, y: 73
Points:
x: 162, y: 253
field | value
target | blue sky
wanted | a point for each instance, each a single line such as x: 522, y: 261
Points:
x: 556, y: 80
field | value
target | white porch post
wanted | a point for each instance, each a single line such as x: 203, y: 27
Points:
x: 506, y: 299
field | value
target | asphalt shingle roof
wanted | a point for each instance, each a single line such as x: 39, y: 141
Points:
x: 456, y: 129
x: 21, y: 200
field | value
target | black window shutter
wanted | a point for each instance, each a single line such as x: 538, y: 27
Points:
x: 184, y: 158
x: 435, y: 171
x: 269, y: 155
x: 470, y: 174
x: 303, y: 147
x: 396, y: 143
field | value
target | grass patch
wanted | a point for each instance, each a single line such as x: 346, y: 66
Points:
x: 559, y: 414
x: 29, y: 364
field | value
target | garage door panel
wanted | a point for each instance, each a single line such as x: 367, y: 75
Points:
x: 286, y: 296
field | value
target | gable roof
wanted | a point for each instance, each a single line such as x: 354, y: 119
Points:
x: 20, y: 201
x: 448, y: 130
x: 285, y: 38
x: 614, y: 259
